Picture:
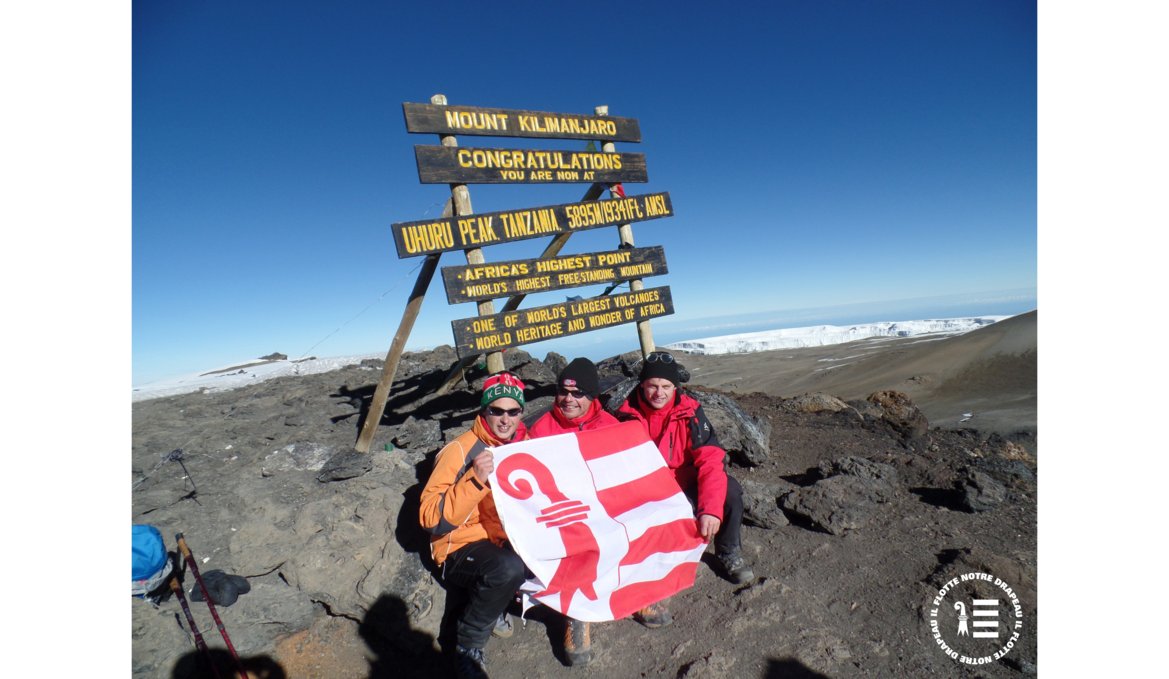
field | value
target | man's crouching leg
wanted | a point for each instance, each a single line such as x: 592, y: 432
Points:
x: 491, y: 575
x: 727, y: 542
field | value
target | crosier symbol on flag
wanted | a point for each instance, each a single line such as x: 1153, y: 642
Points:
x: 578, y: 569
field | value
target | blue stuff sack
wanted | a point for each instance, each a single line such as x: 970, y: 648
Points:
x: 150, y: 562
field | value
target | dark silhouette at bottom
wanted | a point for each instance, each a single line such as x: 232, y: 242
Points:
x: 400, y: 651
x: 790, y: 669
x: 193, y: 665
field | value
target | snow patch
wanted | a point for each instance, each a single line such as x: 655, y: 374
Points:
x: 824, y: 335
x: 219, y: 380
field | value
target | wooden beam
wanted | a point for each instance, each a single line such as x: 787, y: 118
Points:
x: 377, y: 406
x: 462, y: 202
x: 644, y: 332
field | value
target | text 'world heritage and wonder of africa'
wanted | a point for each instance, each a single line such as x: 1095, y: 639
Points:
x: 514, y: 328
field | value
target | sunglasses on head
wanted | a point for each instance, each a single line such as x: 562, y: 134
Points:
x: 500, y: 412
x: 659, y: 356
x: 575, y: 393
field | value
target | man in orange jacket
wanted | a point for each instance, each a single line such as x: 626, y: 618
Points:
x: 467, y: 537
x: 576, y: 409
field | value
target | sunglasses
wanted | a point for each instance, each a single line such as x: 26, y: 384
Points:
x: 575, y: 393
x: 500, y: 412
x: 654, y: 357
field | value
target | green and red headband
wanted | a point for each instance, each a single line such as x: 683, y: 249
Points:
x: 502, y: 385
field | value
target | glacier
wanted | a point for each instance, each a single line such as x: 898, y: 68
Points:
x: 824, y: 335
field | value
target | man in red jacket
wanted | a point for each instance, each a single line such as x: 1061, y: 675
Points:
x: 679, y: 427
x: 576, y: 409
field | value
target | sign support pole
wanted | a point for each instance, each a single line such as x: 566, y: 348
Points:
x: 378, y: 405
x: 644, y: 333
x: 462, y: 202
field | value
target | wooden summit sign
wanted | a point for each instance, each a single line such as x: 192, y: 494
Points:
x: 501, y: 279
x: 490, y: 228
x: 459, y: 165
x: 504, y: 122
x: 475, y: 335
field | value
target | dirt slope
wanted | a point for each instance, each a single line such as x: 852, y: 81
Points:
x: 990, y: 373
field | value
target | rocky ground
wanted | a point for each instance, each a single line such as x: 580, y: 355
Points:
x: 859, y: 512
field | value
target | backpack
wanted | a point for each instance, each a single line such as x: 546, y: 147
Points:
x: 150, y: 564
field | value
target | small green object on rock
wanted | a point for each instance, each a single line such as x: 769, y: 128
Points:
x: 389, y: 447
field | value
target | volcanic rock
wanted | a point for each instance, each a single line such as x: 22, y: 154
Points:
x: 744, y: 437
x: 812, y: 403
x: 900, y: 413
x: 760, y: 504
x: 980, y: 492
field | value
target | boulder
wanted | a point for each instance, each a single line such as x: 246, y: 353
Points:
x: 880, y: 479
x: 900, y: 413
x: 419, y: 436
x: 299, y: 456
x: 627, y: 364
x: 744, y: 437
x: 846, y: 496
x: 833, y: 505
x: 555, y: 362
x: 618, y: 392
x: 866, y: 409
x: 275, y: 356
x: 348, y: 464
x: 760, y: 504
x: 812, y: 403
x: 980, y: 492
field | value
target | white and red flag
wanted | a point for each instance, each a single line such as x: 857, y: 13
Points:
x: 599, y: 519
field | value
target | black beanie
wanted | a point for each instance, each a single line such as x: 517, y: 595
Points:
x: 582, y: 374
x: 661, y: 369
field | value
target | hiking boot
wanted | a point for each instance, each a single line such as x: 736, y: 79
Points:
x: 655, y: 615
x: 736, y: 568
x: 470, y: 663
x: 577, y: 645
x: 504, y: 626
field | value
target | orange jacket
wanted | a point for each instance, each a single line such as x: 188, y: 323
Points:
x: 456, y: 508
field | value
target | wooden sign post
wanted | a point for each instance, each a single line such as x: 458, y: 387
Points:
x: 459, y: 229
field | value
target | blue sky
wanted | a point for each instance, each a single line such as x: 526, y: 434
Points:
x: 830, y: 156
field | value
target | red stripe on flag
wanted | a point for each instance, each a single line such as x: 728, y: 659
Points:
x: 676, y: 536
x: 609, y: 440
x: 555, y: 516
x: 653, y: 487
x: 627, y: 600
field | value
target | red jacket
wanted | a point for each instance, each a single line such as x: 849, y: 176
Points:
x: 554, y: 422
x: 672, y: 429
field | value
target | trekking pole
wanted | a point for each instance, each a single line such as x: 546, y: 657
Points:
x: 207, y: 595
x: 199, y: 643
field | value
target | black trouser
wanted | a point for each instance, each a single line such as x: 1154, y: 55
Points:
x: 726, y: 540
x: 491, y: 575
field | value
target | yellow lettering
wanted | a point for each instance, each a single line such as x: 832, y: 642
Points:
x: 462, y: 153
x: 452, y: 119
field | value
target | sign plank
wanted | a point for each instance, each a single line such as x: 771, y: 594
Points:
x: 491, y: 228
x: 523, y: 276
x: 524, y: 326
x: 465, y: 165
x: 504, y: 122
